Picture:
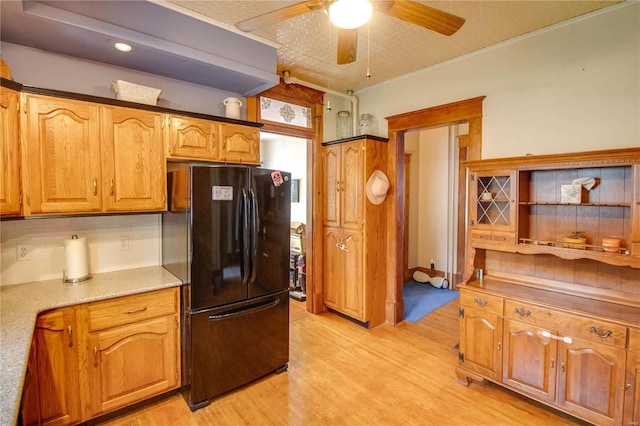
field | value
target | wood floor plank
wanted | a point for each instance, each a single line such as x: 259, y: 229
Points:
x: 343, y: 374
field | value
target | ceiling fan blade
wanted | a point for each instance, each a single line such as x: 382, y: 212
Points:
x: 419, y: 14
x: 347, y: 45
x: 279, y: 15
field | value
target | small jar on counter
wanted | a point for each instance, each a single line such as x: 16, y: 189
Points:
x: 368, y: 125
x: 343, y: 125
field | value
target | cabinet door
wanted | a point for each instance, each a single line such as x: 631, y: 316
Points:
x: 352, y: 185
x: 240, y: 144
x: 9, y: 153
x: 492, y: 200
x: 133, y: 164
x: 635, y: 212
x: 352, y: 282
x: 132, y: 362
x: 591, y: 381
x: 61, y: 169
x: 632, y: 382
x: 331, y: 184
x: 481, y: 342
x: 56, y: 368
x: 332, y: 269
x: 529, y: 360
x: 192, y: 138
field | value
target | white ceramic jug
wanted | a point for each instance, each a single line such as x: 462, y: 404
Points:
x: 233, y: 107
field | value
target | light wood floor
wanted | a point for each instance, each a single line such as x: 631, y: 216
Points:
x: 342, y: 374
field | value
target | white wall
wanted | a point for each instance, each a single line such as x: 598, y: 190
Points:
x: 573, y: 87
x: 45, y: 239
x: 288, y: 154
x: 428, y: 192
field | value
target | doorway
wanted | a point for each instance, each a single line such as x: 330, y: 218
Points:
x: 469, y: 111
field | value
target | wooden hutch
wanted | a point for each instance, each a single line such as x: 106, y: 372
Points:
x: 541, y: 315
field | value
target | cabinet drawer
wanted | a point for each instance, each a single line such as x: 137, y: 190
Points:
x: 481, y: 235
x: 503, y: 237
x: 129, y: 309
x: 482, y: 301
x: 568, y: 325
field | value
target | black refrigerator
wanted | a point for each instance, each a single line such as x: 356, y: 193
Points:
x: 226, y: 236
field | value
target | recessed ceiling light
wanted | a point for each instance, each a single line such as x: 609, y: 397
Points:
x: 123, y: 47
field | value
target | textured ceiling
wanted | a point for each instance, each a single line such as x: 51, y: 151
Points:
x: 387, y: 46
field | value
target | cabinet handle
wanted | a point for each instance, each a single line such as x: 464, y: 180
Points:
x: 553, y: 363
x: 95, y: 356
x: 499, y: 346
x: 522, y: 312
x: 133, y: 311
x: 338, y: 186
x: 601, y: 332
x: 111, y: 186
x: 95, y: 186
x: 627, y: 387
x: 69, y: 333
x: 562, y: 369
x: 480, y: 301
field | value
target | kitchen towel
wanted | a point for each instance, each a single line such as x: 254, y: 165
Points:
x: 76, y: 258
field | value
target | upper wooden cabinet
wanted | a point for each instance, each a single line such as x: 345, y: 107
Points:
x: 524, y: 210
x: 193, y: 138
x: 61, y: 158
x: 9, y: 153
x: 133, y: 164
x: 239, y: 144
x: 344, y: 185
x: 80, y: 157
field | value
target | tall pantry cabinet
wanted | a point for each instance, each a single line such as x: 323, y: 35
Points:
x: 354, y: 229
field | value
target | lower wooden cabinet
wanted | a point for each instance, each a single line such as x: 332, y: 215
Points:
x: 91, y: 359
x: 51, y: 394
x: 572, y: 362
x: 632, y: 380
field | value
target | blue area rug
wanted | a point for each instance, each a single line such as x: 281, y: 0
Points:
x: 421, y: 299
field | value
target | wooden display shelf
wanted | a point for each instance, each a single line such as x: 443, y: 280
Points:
x: 554, y: 203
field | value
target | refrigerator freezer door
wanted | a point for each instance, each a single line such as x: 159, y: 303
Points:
x: 271, y: 215
x: 219, y: 264
x: 236, y: 344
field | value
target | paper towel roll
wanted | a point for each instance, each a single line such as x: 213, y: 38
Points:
x: 76, y: 258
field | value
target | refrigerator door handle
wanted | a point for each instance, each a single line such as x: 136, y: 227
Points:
x: 249, y: 311
x: 246, y: 238
x: 254, y: 235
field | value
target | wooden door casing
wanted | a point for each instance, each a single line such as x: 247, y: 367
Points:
x: 134, y: 171
x: 61, y: 169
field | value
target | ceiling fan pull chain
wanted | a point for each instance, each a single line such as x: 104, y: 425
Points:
x: 368, y: 76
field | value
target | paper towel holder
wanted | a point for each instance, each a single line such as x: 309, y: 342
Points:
x: 73, y: 280
x: 65, y: 279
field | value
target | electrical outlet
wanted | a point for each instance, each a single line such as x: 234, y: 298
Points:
x: 124, y: 243
x: 22, y: 252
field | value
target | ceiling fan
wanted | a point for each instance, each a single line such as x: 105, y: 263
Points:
x: 406, y: 10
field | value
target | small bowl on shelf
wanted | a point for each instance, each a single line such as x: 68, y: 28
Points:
x: 611, y: 245
x: 574, y: 242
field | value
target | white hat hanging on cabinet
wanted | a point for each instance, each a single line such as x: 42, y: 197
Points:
x: 377, y: 187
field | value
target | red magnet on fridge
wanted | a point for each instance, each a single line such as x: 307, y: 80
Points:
x: 276, y: 177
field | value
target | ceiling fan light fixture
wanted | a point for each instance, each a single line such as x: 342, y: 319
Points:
x: 350, y: 14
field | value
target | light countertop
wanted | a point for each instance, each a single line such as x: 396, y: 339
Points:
x: 21, y: 303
